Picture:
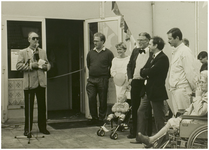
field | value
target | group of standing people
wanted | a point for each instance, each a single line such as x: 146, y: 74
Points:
x: 146, y: 70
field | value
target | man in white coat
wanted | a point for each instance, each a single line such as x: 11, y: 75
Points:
x: 183, y: 71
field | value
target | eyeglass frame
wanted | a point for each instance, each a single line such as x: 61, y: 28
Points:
x: 142, y: 40
x: 33, y: 38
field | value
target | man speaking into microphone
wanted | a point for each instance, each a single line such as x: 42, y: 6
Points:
x: 33, y: 62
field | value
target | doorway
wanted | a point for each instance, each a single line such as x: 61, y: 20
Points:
x: 64, y: 44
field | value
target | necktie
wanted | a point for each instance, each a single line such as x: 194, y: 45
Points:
x: 153, y: 57
x: 36, y: 55
x: 141, y: 51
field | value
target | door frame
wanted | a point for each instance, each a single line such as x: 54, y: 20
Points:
x: 87, y: 48
x: 4, y: 55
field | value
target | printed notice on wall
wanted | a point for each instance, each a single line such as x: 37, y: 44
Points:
x: 14, y: 56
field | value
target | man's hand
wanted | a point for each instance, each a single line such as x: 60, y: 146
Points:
x: 44, y: 67
x: 35, y: 65
x: 198, y: 92
x: 129, y: 81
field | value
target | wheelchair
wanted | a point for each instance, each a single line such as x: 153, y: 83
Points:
x: 192, y: 134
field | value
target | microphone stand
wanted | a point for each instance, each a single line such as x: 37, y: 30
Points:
x: 29, y: 136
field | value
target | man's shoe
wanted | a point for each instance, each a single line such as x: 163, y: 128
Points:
x: 92, y: 122
x: 26, y: 133
x: 131, y: 136
x: 100, y: 123
x: 135, y: 142
x: 45, y: 131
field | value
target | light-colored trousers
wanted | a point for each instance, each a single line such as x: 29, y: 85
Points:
x: 181, y: 98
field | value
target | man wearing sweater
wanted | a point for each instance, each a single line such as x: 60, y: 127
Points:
x: 99, y: 62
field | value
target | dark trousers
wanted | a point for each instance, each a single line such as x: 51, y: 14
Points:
x: 97, y: 86
x: 136, y: 94
x: 40, y: 95
x: 144, y: 113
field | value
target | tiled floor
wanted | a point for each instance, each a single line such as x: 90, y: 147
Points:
x: 78, y: 138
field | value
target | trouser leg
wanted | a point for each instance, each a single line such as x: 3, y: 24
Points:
x: 181, y: 98
x: 136, y: 86
x: 143, y: 116
x: 159, y: 114
x: 29, y: 101
x: 41, y: 100
x: 92, y: 93
x: 102, y: 91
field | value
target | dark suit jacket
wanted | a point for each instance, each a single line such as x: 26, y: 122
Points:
x: 156, y: 73
x: 132, y: 63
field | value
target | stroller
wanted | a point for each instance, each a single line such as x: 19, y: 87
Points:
x: 121, y: 109
x: 121, y: 125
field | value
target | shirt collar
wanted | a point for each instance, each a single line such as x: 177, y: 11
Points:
x: 103, y: 49
x: 155, y: 55
x: 31, y: 49
x: 146, y: 49
x: 175, y: 49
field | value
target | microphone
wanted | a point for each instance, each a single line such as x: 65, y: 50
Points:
x: 35, y: 52
x: 37, y: 44
x: 27, y: 62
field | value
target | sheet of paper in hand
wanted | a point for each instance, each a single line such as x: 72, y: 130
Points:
x: 41, y: 62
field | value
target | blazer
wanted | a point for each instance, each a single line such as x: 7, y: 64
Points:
x: 37, y: 76
x: 156, y: 72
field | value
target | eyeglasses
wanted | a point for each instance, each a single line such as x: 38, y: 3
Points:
x: 141, y: 40
x: 33, y: 38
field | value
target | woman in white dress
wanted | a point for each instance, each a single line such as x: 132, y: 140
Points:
x: 119, y: 66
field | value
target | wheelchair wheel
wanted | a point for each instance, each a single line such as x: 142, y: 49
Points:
x: 199, y: 138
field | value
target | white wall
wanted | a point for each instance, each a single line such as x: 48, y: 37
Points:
x: 138, y: 15
x: 71, y: 10
x: 182, y: 15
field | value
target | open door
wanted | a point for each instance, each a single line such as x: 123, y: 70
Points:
x: 110, y: 27
x: 65, y: 78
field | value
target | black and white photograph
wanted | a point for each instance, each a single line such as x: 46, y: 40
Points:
x: 104, y: 74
